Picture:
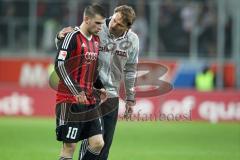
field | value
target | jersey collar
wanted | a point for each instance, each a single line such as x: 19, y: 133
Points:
x: 88, y: 38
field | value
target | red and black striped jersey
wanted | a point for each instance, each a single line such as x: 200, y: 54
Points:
x: 76, y: 66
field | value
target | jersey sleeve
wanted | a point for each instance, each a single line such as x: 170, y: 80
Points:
x: 58, y: 41
x: 65, y: 49
x: 98, y: 83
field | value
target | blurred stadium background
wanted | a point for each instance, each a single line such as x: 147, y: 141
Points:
x: 183, y: 35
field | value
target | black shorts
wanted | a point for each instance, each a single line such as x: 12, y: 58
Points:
x: 76, y: 122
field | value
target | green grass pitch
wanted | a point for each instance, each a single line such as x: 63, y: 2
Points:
x: 34, y: 139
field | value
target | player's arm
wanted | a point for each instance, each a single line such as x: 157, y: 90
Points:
x: 66, y: 46
x: 98, y: 85
x: 130, y: 71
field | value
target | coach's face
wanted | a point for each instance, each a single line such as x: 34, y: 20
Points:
x: 117, y: 26
x: 95, y: 24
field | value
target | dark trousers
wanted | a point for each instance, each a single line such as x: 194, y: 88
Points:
x: 109, y: 123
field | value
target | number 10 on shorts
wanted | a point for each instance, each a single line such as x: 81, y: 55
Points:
x: 72, y: 132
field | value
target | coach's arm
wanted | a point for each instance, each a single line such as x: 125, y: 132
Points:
x: 130, y: 74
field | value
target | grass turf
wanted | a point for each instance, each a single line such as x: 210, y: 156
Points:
x: 34, y: 139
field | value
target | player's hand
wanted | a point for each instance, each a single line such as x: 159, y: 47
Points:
x: 64, y: 32
x: 81, y: 98
x: 103, y: 95
x: 129, y: 109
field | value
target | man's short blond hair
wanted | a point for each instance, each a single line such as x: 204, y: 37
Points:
x: 128, y: 14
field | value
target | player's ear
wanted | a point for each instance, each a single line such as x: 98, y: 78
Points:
x: 86, y: 19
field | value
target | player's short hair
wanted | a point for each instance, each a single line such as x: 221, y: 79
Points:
x: 93, y: 10
x: 128, y: 14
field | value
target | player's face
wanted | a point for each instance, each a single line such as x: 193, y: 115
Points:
x: 117, y: 26
x: 95, y: 24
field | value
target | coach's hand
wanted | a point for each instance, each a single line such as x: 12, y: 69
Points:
x: 64, y: 31
x: 129, y: 109
x: 81, y: 98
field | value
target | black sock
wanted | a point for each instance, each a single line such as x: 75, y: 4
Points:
x: 63, y: 158
x: 90, y: 154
